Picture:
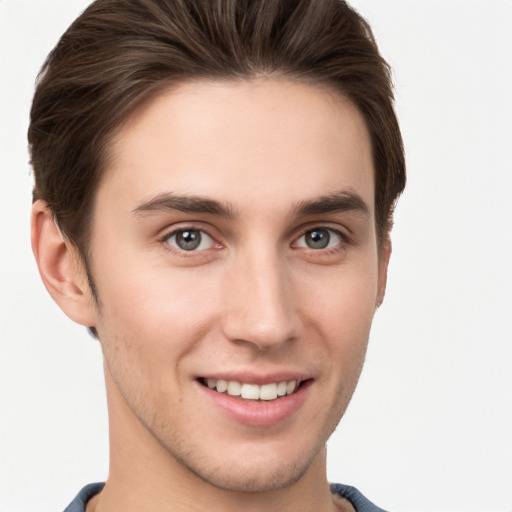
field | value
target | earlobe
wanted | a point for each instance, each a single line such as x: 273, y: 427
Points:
x: 60, y: 267
x: 384, y: 256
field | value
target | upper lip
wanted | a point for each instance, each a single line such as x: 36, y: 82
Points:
x: 251, y: 377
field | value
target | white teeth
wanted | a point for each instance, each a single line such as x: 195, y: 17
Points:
x: 234, y: 388
x: 253, y: 391
x: 221, y: 386
x: 250, y: 391
x: 282, y: 388
x: 268, y: 392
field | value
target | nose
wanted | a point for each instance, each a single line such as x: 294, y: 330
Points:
x: 259, y: 302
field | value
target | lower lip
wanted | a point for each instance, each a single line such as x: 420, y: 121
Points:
x: 258, y: 413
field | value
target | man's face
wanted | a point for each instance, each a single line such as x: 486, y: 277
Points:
x: 234, y: 246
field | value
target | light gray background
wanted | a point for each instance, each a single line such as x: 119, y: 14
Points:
x: 430, y: 427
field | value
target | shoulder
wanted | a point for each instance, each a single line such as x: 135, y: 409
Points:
x: 359, y: 502
x: 79, y: 503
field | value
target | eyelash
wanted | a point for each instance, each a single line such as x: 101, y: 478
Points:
x: 343, y: 240
x: 164, y: 240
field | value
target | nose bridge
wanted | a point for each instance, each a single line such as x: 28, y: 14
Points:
x: 260, y: 305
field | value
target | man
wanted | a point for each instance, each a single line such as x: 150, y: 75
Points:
x: 215, y: 182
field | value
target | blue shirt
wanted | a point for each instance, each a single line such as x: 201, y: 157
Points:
x: 359, y: 502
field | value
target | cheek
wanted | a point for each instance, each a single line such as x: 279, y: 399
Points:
x: 152, y: 318
x: 341, y: 310
x: 344, y: 298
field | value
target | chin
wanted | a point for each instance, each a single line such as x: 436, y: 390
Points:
x: 253, y: 478
x: 251, y: 467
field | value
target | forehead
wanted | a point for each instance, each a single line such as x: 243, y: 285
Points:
x: 254, y: 144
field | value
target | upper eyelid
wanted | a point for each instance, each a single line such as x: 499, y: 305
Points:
x: 326, y: 228
x: 168, y: 231
x: 343, y: 232
x: 347, y: 223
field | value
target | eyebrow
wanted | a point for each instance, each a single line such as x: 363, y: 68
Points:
x: 338, y: 202
x: 167, y: 202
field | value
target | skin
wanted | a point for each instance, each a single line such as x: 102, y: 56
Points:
x: 253, y: 299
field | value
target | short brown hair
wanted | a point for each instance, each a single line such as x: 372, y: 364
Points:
x: 120, y: 53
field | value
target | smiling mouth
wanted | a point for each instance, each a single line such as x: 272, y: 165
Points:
x: 247, y: 391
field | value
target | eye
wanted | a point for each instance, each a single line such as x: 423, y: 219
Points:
x: 190, y: 240
x: 319, y: 238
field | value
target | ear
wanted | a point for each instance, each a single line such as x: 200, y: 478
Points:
x: 384, y: 255
x: 60, y: 267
